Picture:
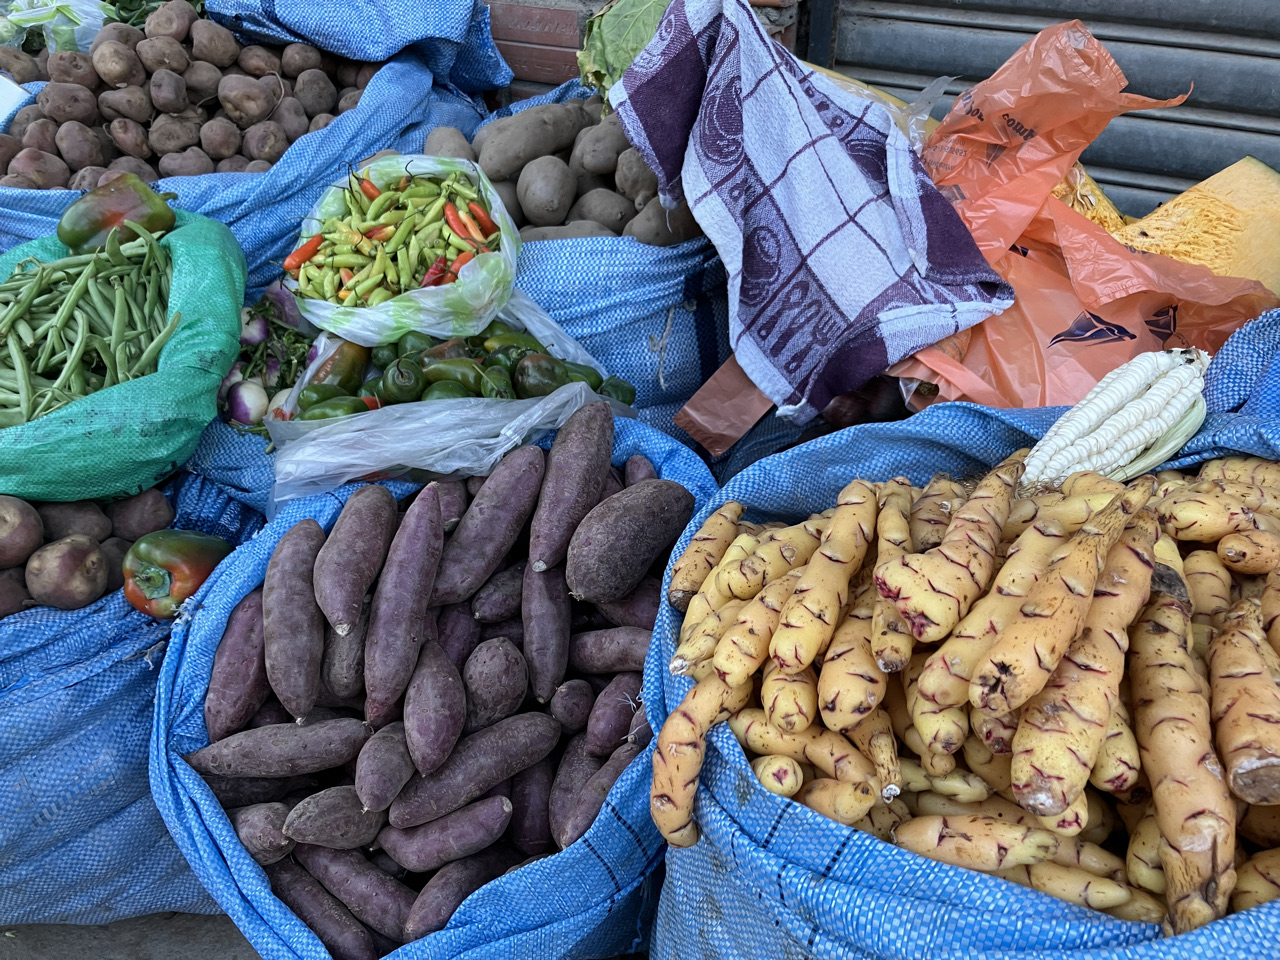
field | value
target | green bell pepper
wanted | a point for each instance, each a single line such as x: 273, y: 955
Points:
x: 384, y: 356
x: 582, y: 373
x: 344, y: 367
x: 318, y: 393
x: 462, y: 370
x: 539, y: 375
x: 414, y: 342
x: 164, y: 568
x: 514, y: 340
x: 615, y: 388
x: 337, y: 407
x: 403, y: 381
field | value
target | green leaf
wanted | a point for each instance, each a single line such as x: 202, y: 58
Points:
x: 614, y: 37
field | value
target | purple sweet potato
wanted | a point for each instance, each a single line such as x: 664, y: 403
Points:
x: 282, y: 750
x: 576, y: 466
x: 21, y: 531
x: 546, y: 613
x: 352, y: 556
x: 334, y: 818
x: 387, y: 864
x: 577, y: 766
x: 341, y: 933
x: 490, y: 527
x: 383, y: 767
x: 613, y: 650
x: 271, y: 712
x: 137, y: 516
x: 477, y: 763
x: 259, y: 827
x: 375, y: 898
x: 589, y: 801
x: 460, y: 834
x: 499, y: 598
x: 435, y: 709
x: 451, y: 885
x: 496, y: 678
x: 638, y: 608
x: 397, y: 618
x: 474, y: 484
x: 502, y: 789
x: 292, y: 624
x: 572, y: 705
x: 612, y: 484
x: 14, y: 595
x: 234, y: 792
x: 453, y: 502
x: 640, y: 733
x: 530, y: 829
x: 459, y: 633
x: 638, y: 468
x: 614, y: 546
x: 238, y: 685
x: 512, y: 630
x: 82, y: 517
x: 611, y: 716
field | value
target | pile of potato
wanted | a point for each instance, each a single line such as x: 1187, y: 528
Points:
x: 178, y: 98
x: 564, y: 172
x: 495, y: 646
x: 69, y: 555
x: 1077, y: 691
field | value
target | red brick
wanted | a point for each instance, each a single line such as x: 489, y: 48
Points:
x: 522, y: 23
x: 543, y: 64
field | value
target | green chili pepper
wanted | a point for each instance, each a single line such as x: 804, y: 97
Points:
x: 496, y: 328
x: 379, y: 295
x: 319, y: 393
x: 496, y: 384
x: 414, y: 342
x: 507, y: 357
x: 582, y: 373
x: 615, y: 388
x: 447, y: 390
x: 455, y: 349
x: 539, y: 375
x: 384, y: 356
x: 403, y: 381
x: 372, y: 388
x: 514, y: 340
x: 337, y: 407
x: 462, y: 370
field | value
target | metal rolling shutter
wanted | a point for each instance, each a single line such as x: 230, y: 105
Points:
x: 1230, y: 50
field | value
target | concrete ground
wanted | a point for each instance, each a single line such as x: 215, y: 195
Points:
x: 163, y: 936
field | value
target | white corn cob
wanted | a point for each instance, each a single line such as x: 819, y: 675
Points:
x: 1139, y: 408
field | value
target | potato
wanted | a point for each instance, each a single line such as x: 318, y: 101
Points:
x: 659, y: 227
x: 41, y: 135
x: 86, y: 178
x: 23, y: 119
x: 173, y: 19
x: 119, y: 33
x: 319, y: 122
x: 220, y: 138
x: 365, y: 74
x: 346, y: 73
x: 168, y: 91
x: 599, y: 148
x: 291, y: 118
x: 576, y: 230
x: 44, y: 170
x: 448, y: 142
x: 528, y: 135
x: 118, y: 65
x: 633, y: 175
x: 258, y: 61
x: 604, y: 207
x: 315, y: 92
x: 113, y: 551
x: 68, y: 574
x: 72, y: 66
x: 131, y: 138
x: 9, y: 148
x: 246, y: 101
x: 510, y: 201
x: 162, y: 53
x: 236, y: 163
x: 258, y: 166
x: 545, y: 190
x: 14, y: 596
x: 78, y: 146
x: 84, y: 517
x: 139, y: 168
x: 17, y: 182
x: 174, y: 133
x: 265, y: 141
x: 68, y: 101
x: 191, y: 162
x: 132, y: 103
x: 349, y: 101
x: 21, y: 531
x: 297, y: 58
x: 213, y: 44
x: 21, y: 66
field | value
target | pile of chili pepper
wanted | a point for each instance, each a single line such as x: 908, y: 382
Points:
x: 498, y: 364
x: 419, y: 234
x: 83, y: 323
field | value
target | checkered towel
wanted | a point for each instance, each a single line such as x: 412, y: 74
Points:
x: 842, y: 256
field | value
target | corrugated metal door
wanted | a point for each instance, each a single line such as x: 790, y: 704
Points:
x: 1230, y: 49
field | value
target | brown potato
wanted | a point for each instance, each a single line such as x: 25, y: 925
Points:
x: 168, y: 91
x: 119, y: 33
x: 202, y: 81
x: 448, y: 142
x: 107, y: 145
x: 139, y: 168
x: 86, y: 178
x: 292, y: 118
x: 162, y: 53
x: 9, y: 147
x: 599, y: 150
x: 511, y: 202
x: 191, y: 162
x: 365, y: 74
x: 570, y: 231
x: 297, y: 58
x: 68, y: 574
x: 78, y: 146
x: 68, y: 101
x: 213, y: 43
x: 72, y: 66
x: 45, y: 170
x: 265, y: 141
x: 131, y: 137
x: 546, y: 189
x: 258, y: 61
x: 21, y: 66
x: 14, y: 596
x: 258, y: 166
x: 659, y: 227
x: 350, y: 101
x: 315, y: 92
x: 17, y: 182
x: 527, y: 136
x: 113, y: 551
x: 132, y: 103
x: 174, y: 133
x: 319, y: 122
x: 118, y: 66
x: 233, y: 164
x: 633, y: 175
x: 41, y: 135
x: 346, y: 73
x: 173, y: 19
x: 21, y: 531
x: 246, y: 101
x: 220, y: 138
x: 23, y: 119
x: 604, y: 207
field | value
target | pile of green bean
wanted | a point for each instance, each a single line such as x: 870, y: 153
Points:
x: 71, y: 327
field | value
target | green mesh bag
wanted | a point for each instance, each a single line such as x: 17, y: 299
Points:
x: 125, y: 439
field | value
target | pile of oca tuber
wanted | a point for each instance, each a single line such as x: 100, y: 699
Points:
x: 1075, y: 690
x: 180, y: 97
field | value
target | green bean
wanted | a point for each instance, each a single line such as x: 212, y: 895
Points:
x: 19, y: 307
x: 153, y: 351
x: 20, y: 369
x: 23, y: 330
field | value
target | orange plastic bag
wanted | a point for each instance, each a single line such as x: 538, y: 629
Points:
x: 1085, y: 302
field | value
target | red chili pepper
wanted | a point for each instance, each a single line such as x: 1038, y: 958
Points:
x: 483, y: 220
x: 373, y: 403
x: 381, y: 234
x: 462, y: 260
x: 453, y: 217
x: 470, y: 224
x: 304, y: 253
x: 369, y: 188
x: 435, y: 272
x: 163, y: 569
x: 346, y: 275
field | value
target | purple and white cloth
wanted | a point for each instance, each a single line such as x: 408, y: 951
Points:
x: 843, y: 258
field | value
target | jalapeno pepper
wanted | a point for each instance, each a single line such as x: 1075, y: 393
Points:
x: 403, y: 381
x: 86, y: 223
x: 508, y: 357
x: 373, y: 388
x: 345, y: 367
x: 538, y: 375
x: 463, y: 370
x: 164, y: 568
x: 318, y: 393
x: 414, y: 342
x: 338, y: 407
x: 384, y: 355
x: 496, y: 384
x: 582, y: 373
x: 495, y: 328
x: 615, y: 388
x: 447, y: 390
x: 498, y: 341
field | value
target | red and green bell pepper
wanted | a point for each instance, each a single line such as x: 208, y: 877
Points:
x: 163, y: 569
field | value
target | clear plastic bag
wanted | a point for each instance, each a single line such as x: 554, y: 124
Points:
x: 66, y: 24
x: 461, y: 309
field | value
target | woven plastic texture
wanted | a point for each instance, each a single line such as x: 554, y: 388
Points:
x: 587, y: 901
x: 81, y: 840
x: 127, y: 438
x: 771, y: 878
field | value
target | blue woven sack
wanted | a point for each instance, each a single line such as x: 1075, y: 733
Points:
x: 771, y: 878
x: 590, y: 900
x: 81, y: 840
